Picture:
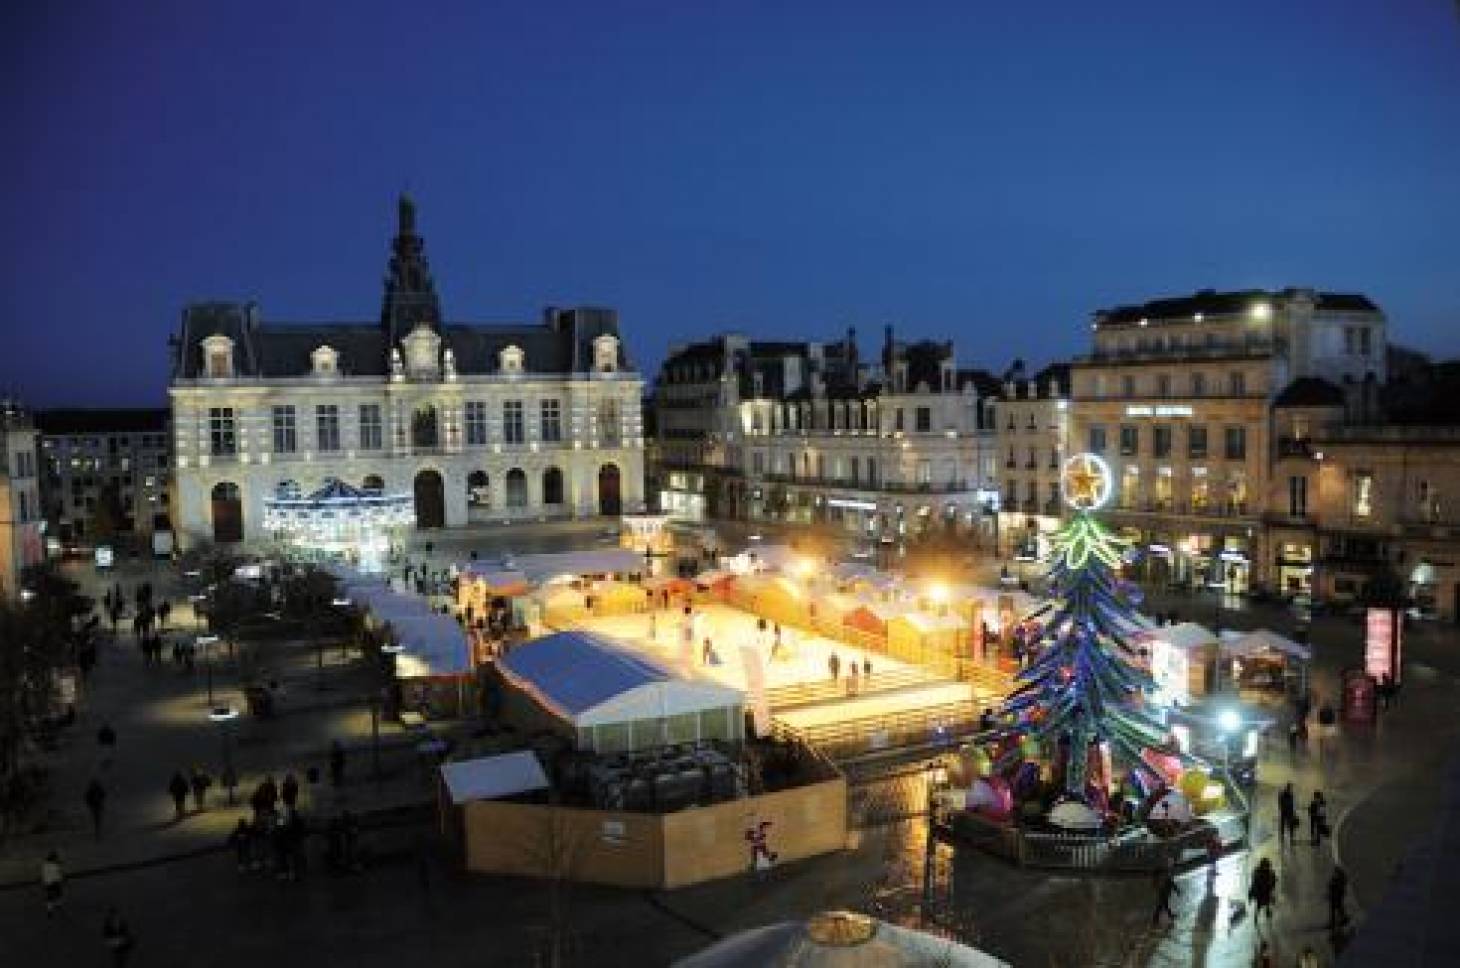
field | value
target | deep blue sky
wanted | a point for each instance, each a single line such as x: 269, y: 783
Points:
x: 986, y: 171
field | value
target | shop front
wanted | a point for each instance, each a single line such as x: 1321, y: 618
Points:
x: 1295, y: 570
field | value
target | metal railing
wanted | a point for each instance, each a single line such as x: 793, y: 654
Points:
x: 937, y: 725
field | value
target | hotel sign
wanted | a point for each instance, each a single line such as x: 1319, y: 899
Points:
x: 1164, y: 410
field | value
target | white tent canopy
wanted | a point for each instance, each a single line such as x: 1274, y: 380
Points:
x: 575, y: 564
x: 1264, y: 640
x: 491, y: 777
x: 432, y: 644
x: 1185, y: 636
x: 591, y: 683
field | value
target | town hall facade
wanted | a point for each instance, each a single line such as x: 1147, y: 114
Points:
x: 477, y: 422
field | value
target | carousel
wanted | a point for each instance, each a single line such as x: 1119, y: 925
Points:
x: 340, y: 523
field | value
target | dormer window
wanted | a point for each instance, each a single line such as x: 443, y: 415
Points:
x: 511, y: 359
x: 605, y: 354
x: 218, y: 357
x: 325, y: 361
x: 422, y: 352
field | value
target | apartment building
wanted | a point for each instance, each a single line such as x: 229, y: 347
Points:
x: 21, y: 522
x: 105, y: 473
x: 1177, y: 396
x: 1031, y: 421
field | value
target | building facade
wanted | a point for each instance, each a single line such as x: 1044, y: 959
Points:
x: 808, y: 433
x: 21, y: 521
x: 105, y: 473
x: 1031, y: 420
x: 1177, y: 396
x: 478, y: 422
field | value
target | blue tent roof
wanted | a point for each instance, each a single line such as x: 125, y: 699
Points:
x: 575, y: 672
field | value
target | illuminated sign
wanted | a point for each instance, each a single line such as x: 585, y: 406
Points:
x: 1164, y: 410
x: 841, y: 502
x: 1382, y: 637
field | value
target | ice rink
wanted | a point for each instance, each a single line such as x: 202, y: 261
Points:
x: 802, y: 659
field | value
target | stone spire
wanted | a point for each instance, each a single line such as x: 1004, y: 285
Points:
x: 410, y: 292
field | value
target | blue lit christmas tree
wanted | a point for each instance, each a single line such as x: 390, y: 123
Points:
x: 1083, y: 694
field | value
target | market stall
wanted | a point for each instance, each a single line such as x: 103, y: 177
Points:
x: 774, y: 597
x: 608, y: 698
x: 1265, y: 662
x: 927, y: 639
x: 1182, y: 660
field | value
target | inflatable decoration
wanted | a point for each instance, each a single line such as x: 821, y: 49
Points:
x: 1165, y: 765
x: 992, y: 798
x: 1074, y: 815
x: 1026, y: 780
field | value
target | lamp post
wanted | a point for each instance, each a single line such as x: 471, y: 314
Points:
x: 937, y: 775
x: 389, y: 649
x: 1229, y: 722
x: 342, y: 603
x: 206, y: 642
x: 223, y: 717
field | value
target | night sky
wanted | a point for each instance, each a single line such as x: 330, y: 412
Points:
x: 991, y: 172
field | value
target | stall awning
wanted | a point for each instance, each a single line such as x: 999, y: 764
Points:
x: 1265, y: 640
x: 1186, y: 635
x: 575, y: 564
x: 590, y: 680
x: 432, y: 644
x: 492, y: 777
x: 498, y: 580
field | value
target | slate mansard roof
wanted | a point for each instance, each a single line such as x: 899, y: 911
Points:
x: 561, y: 344
x: 1211, y: 303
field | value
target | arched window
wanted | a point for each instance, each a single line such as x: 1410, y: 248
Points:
x: 552, y: 486
x: 478, y: 490
x: 516, y: 488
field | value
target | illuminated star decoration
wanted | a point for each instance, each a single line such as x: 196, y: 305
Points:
x: 1086, y: 482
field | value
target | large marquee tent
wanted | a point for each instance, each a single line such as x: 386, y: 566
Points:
x: 614, y: 699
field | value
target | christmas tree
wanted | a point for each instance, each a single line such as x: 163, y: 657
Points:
x: 1083, y: 694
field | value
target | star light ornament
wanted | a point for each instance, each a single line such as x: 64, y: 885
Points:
x: 1086, y: 482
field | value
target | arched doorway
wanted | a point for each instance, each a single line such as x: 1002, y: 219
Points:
x: 478, y: 495
x: 227, y: 512
x: 516, y: 488
x: 373, y: 482
x: 430, y: 494
x: 610, y: 501
x: 552, y: 486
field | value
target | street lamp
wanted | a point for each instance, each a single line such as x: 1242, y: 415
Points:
x: 206, y: 642
x: 223, y: 717
x: 391, y: 649
x: 344, y: 639
x: 937, y: 775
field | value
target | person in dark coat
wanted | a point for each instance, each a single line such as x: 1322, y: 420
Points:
x: 1318, y: 817
x: 200, y: 781
x: 289, y: 792
x: 178, y: 788
x: 1263, y: 889
x: 1288, y: 822
x: 1337, y: 894
x: 95, y: 802
x: 118, y: 937
x: 241, y: 840
x: 1165, y: 889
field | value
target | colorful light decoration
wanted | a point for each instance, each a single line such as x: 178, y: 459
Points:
x: 340, y: 520
x: 1086, y: 481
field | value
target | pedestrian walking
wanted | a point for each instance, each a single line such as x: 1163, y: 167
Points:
x: 289, y: 792
x: 1263, y: 889
x: 51, y: 881
x: 1263, y: 957
x: 337, y: 764
x: 834, y: 666
x: 95, y: 797
x: 1294, y: 732
x: 1318, y: 817
x: 241, y: 840
x: 1288, y: 822
x: 1337, y: 894
x: 1165, y: 889
x: 200, y: 781
x: 867, y: 670
x: 852, y: 678
x: 177, y: 788
x: 164, y: 609
x: 118, y: 937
